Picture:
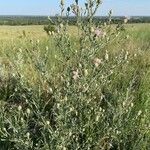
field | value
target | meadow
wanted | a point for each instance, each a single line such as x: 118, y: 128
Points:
x: 82, y: 88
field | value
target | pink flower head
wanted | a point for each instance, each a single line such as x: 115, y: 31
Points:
x: 100, y: 33
x: 97, y: 32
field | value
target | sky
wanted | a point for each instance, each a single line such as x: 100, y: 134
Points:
x: 51, y: 7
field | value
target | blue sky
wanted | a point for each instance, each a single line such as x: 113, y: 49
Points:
x: 51, y: 7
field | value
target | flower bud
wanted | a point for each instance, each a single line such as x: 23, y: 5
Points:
x: 68, y: 9
x: 62, y: 2
x: 76, y: 1
x: 61, y: 25
x: 47, y: 122
x: 85, y: 72
x: 19, y: 107
x: 28, y: 135
x: 28, y: 111
x: 98, y: 2
x: 92, y: 29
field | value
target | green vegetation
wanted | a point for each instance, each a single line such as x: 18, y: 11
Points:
x: 43, y: 20
x: 85, y: 87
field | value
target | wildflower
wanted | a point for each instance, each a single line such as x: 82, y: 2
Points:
x: 97, y: 62
x: 19, y: 107
x: 98, y: 32
x: 75, y: 74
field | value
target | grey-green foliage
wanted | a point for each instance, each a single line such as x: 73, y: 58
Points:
x: 82, y: 96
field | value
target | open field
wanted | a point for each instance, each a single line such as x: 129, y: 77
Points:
x: 63, y: 92
x: 36, y: 31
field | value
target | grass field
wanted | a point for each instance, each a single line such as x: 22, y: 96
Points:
x: 54, y: 96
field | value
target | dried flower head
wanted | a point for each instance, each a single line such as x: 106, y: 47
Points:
x: 99, y: 33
